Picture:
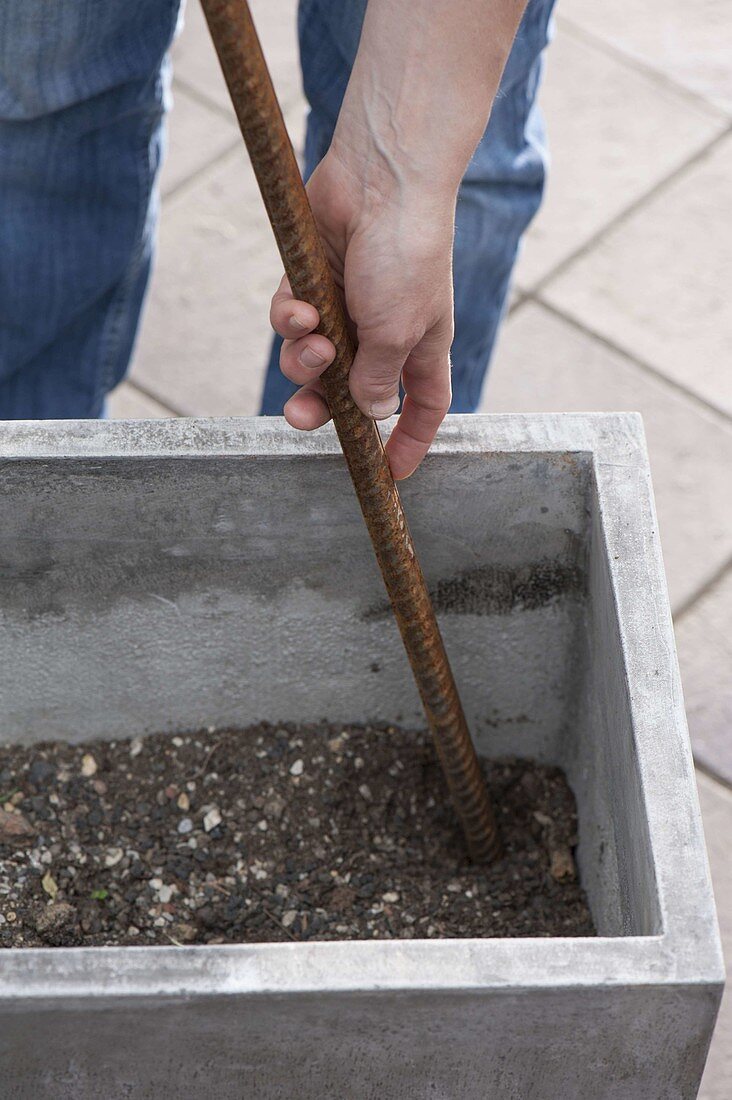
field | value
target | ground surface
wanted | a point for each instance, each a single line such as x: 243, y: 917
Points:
x: 272, y: 834
x: 620, y: 302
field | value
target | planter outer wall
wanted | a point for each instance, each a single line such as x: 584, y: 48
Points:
x: 170, y: 575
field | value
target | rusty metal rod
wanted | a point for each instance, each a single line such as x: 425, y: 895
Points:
x: 264, y: 131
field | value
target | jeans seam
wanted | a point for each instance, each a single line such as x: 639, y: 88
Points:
x: 114, y: 323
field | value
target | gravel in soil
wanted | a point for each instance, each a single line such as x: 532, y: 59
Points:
x: 273, y: 833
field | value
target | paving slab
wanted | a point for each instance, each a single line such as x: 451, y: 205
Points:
x: 604, y: 156
x: 128, y: 403
x: 705, y: 654
x: 205, y: 332
x: 545, y: 364
x: 197, y: 135
x: 716, y: 806
x: 688, y: 42
x: 658, y: 283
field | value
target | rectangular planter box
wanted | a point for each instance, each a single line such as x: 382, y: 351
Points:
x: 174, y: 574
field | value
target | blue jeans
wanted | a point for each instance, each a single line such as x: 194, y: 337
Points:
x: 83, y: 91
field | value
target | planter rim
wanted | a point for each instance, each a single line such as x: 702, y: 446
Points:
x: 686, y: 951
x: 488, y: 965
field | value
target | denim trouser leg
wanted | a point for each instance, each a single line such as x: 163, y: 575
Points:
x: 500, y: 193
x: 82, y: 89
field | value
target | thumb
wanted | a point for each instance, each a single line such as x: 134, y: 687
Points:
x: 375, y: 374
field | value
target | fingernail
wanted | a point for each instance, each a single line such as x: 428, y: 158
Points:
x: 295, y: 322
x: 310, y: 358
x: 381, y: 409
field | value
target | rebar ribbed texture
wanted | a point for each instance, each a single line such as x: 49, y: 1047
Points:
x: 307, y: 268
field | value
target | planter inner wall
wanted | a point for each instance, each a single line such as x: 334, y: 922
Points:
x: 169, y: 593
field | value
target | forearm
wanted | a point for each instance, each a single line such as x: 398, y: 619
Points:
x: 421, y: 90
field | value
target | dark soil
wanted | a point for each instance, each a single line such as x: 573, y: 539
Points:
x: 274, y: 833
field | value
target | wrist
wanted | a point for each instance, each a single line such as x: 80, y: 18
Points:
x: 390, y: 167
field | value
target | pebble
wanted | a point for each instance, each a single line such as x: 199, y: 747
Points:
x: 54, y: 918
x: 390, y: 897
x: 185, y: 825
x: 165, y: 893
x: 14, y: 828
x: 212, y: 819
x: 297, y: 768
x: 48, y: 882
x: 289, y: 918
x: 184, y: 802
x: 274, y: 808
x: 40, y: 771
x: 561, y: 865
x: 365, y: 791
x: 88, y: 765
x: 112, y: 857
x: 135, y: 746
x: 184, y: 932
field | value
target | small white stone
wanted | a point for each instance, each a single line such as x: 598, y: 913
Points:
x: 88, y: 765
x: 297, y: 768
x: 262, y: 826
x: 212, y: 819
x: 184, y: 802
x: 112, y: 857
x: 177, y: 741
x: 156, y: 883
x: 185, y: 825
x: 165, y: 893
x: 365, y: 791
x: 289, y: 918
x: 135, y: 746
x: 390, y: 897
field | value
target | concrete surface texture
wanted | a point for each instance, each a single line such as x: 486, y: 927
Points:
x: 554, y: 605
x: 619, y: 303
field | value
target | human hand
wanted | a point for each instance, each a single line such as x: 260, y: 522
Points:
x: 390, y: 249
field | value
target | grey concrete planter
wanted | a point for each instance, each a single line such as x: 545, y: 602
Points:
x: 123, y: 547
